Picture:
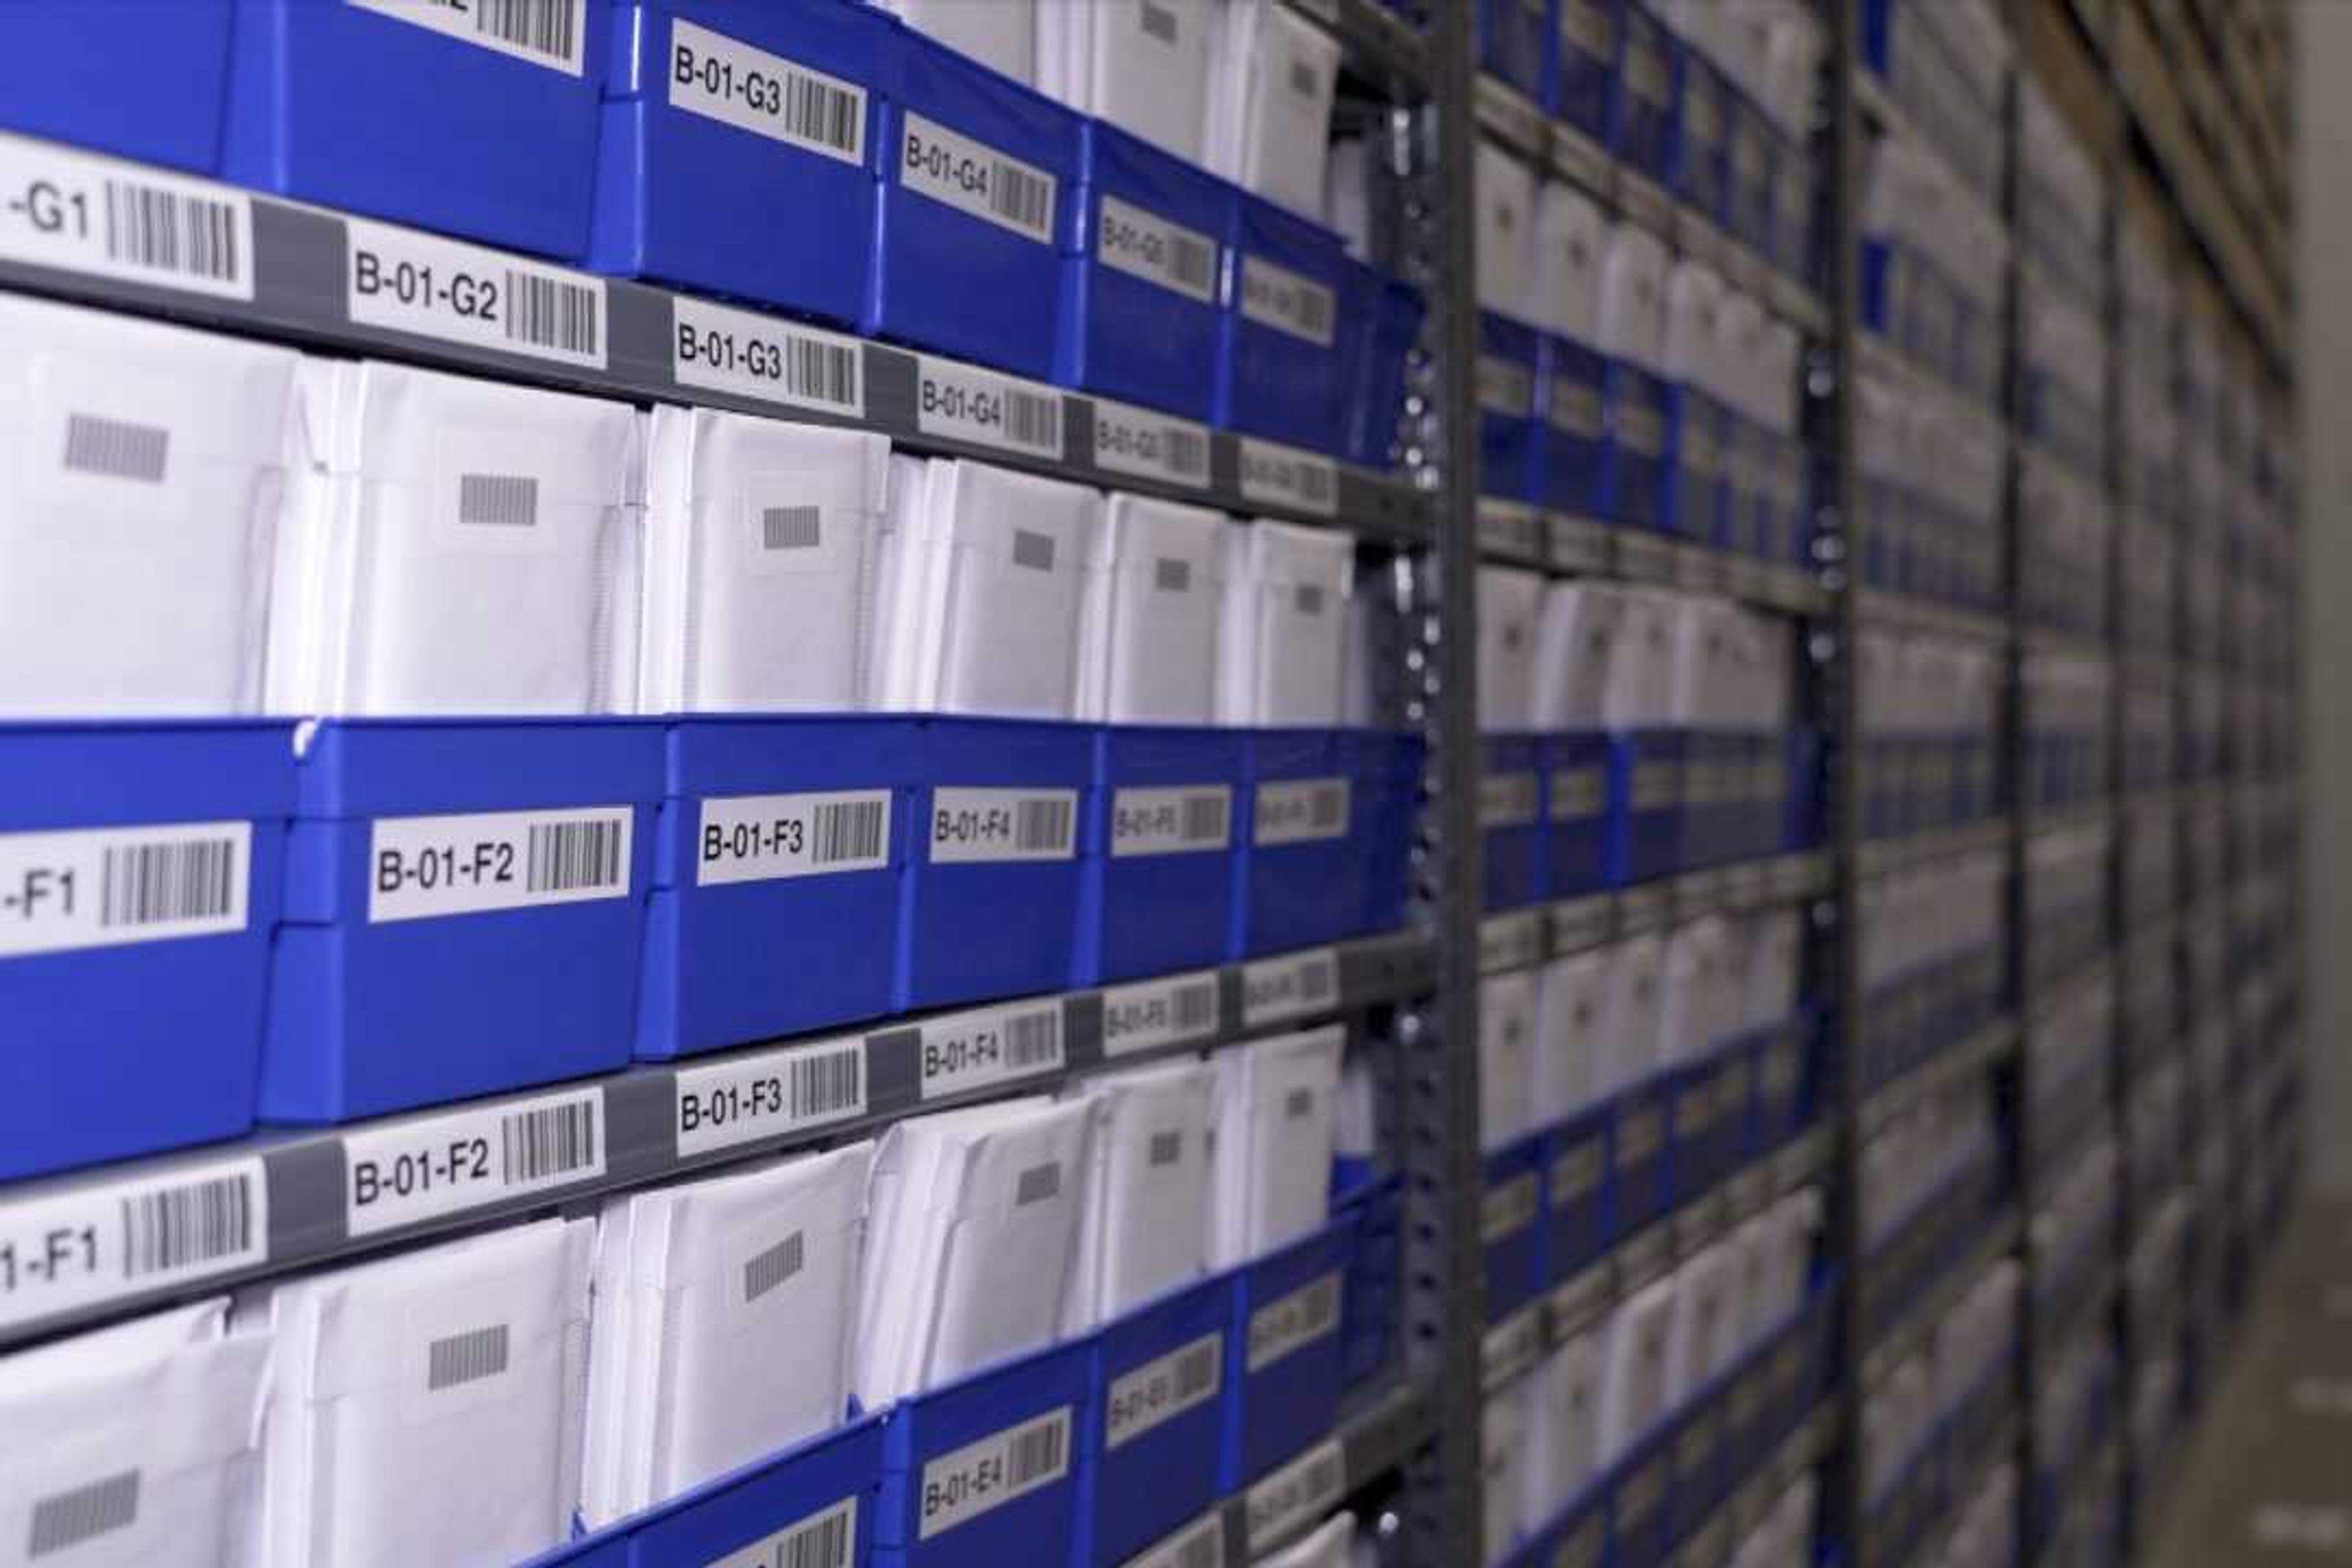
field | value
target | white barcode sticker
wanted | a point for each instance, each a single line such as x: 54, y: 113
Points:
x: 768, y: 837
x: 765, y: 358
x: 961, y: 404
x: 1151, y: 446
x: 548, y: 32
x: 724, y: 79
x: 1290, y: 1323
x: 79, y: 212
x: 1275, y: 990
x: 1507, y: 800
x: 1181, y: 821
x: 1299, y: 811
x: 1505, y: 387
x: 409, y: 282
x: 110, y: 887
x: 115, y: 1239
x: 978, y: 1477
x: 1161, y: 1390
x: 1279, y: 298
x: 826, y: 1539
x: 1284, y: 476
x: 1145, y: 245
x: 1508, y: 942
x: 1508, y: 1208
x: 1200, y: 1544
x: 420, y: 1168
x: 994, y: 1045
x: 1156, y: 1013
x: 1295, y: 1497
x: 974, y: 177
x: 424, y: 868
x: 745, y: 1099
x: 970, y: 827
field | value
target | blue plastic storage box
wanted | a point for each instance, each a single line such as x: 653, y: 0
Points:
x: 1514, y: 45
x: 1576, y: 1167
x: 1390, y: 764
x: 1751, y: 161
x: 779, y: 848
x: 1511, y: 1228
x: 1576, y: 805
x: 1703, y: 135
x: 1282, y: 353
x: 1637, y: 1153
x: 1370, y: 1312
x: 793, y: 1507
x: 1584, y: 69
x: 1158, y: 848
x: 1284, y: 1353
x: 980, y: 198
x: 119, y: 76
x: 141, y: 871
x: 1140, y: 285
x: 1377, y: 389
x: 1643, y: 110
x: 1507, y: 441
x: 991, y: 895
x: 1702, y: 1467
x: 1645, y: 804
x: 476, y: 120
x: 1571, y: 431
x: 1511, y: 820
x: 1633, y: 462
x: 1695, y: 509
x: 984, y: 1472
x: 1639, y: 1511
x: 1152, y: 1421
x: 726, y: 127
x: 465, y: 911
x: 1300, y: 874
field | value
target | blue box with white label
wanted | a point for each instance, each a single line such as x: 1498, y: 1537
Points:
x: 1507, y: 443
x: 1283, y: 1352
x: 1576, y: 1164
x: 1579, y: 1536
x: 1140, y: 295
x: 476, y: 120
x: 716, y: 109
x: 73, y: 72
x: 1283, y: 358
x: 1515, y: 44
x: 1637, y: 1153
x: 1511, y: 1226
x: 1576, y: 808
x: 1639, y: 1514
x: 1158, y: 846
x: 984, y: 1471
x: 1584, y: 65
x: 779, y: 847
x: 1376, y: 389
x: 141, y: 870
x: 1802, y: 827
x: 813, y: 1503
x: 1390, y: 763
x: 1702, y: 135
x: 1511, y: 820
x: 1694, y: 508
x: 1697, y: 1436
x: 1150, y: 1427
x: 1751, y: 161
x: 1369, y: 1314
x: 1644, y: 111
x: 991, y: 895
x: 1303, y: 826
x: 1645, y: 804
x: 1570, y: 432
x: 1633, y: 487
x: 979, y: 203
x: 465, y: 911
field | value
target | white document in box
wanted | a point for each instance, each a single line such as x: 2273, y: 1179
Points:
x: 1510, y: 608
x: 1143, y: 1214
x: 760, y: 540
x: 1151, y: 643
x: 1502, y: 1442
x: 428, y: 1409
x: 722, y: 1323
x: 1275, y: 1121
x: 1640, y: 691
x: 1633, y: 297
x: 1142, y: 65
x: 141, y: 474
x: 1570, y: 1010
x: 1576, y: 647
x: 1563, y: 1424
x: 1770, y: 992
x: 999, y: 34
x: 1284, y: 629
x: 1751, y: 1276
x: 1634, y: 1350
x: 131, y: 1445
x: 1694, y: 301
x: 1564, y: 291
x: 1706, y: 1322
x: 463, y: 547
x: 1697, y: 1000
x: 1506, y: 1048
x: 1270, y: 104
x: 1795, y: 1220
x: 1700, y: 630
x: 1629, y: 1015
x: 1506, y: 190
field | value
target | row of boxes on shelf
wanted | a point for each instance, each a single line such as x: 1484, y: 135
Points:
x: 1934, y: 282
x: 1937, y: 1405
x: 2067, y: 697
x: 2070, y: 1243
x: 2062, y: 199
x: 1932, y: 961
x: 1928, y: 715
x: 2064, y: 910
x: 2069, y: 1064
x: 2066, y: 527
x: 1063, y: 1363
x: 1926, y: 1172
x: 1946, y: 66
x: 2061, y: 403
x: 966, y: 213
x: 2076, y: 1395
x: 1931, y: 473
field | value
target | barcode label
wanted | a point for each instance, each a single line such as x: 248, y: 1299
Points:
x: 1289, y: 1323
x: 974, y: 825
x: 426, y: 1167
x: 1144, y: 244
x: 425, y: 868
x: 498, y: 500
x: 69, y: 1518
x: 1300, y: 811
x: 1200, y: 1544
x: 1506, y: 388
x: 402, y: 281
x: 1508, y: 1209
x: 986, y: 409
x: 769, y: 838
x: 464, y: 1358
x: 1151, y: 446
x: 1161, y: 1390
x: 117, y: 1239
x: 763, y: 359
x: 1277, y: 296
x: 1589, y: 28
x: 115, y: 886
x: 974, y: 177
x: 1295, y: 1497
x: 116, y: 449
x: 544, y: 32
x: 1513, y: 941
x: 791, y: 526
x: 1286, y: 477
x: 80, y: 212
x: 968, y: 1482
x: 1171, y: 821
x: 1275, y: 990
x: 825, y: 1540
x: 1507, y: 800
x: 1156, y: 1013
x: 724, y: 79
x: 773, y: 1267
x: 970, y: 1050
x: 745, y: 1099
x: 1578, y: 792
x: 1510, y: 528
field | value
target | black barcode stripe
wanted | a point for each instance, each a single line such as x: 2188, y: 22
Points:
x: 822, y: 1086
x: 1037, y: 1184
x: 550, y: 313
x: 155, y: 884
x: 1317, y: 482
x: 791, y: 526
x: 771, y: 1267
x: 180, y: 1227
x: 821, y: 1543
x: 821, y: 372
x: 846, y: 830
x: 1195, y: 1007
x: 1020, y: 195
x: 1039, y: 1451
x: 1315, y: 312
x: 1205, y: 818
x: 69, y: 1518
x: 542, y: 26
x: 548, y: 1141
x: 1318, y: 982
x: 498, y: 500
x: 1043, y: 824
x: 565, y: 856
x: 172, y: 232
x: 1192, y: 260
x: 1032, y: 1037
x: 468, y: 1357
x: 117, y: 449
x: 1158, y: 21
x: 1033, y: 419
x: 1032, y: 550
x: 1329, y: 806
x: 1196, y: 1371
x: 1172, y: 576
x: 819, y: 112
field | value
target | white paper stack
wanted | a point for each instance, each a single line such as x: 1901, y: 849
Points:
x: 1635, y: 1347
x: 1506, y: 1050
x: 1154, y: 616
x: 1564, y: 281
x: 1502, y: 1454
x: 761, y: 547
x: 1510, y: 616
x: 983, y: 590
x: 1564, y: 1077
x: 1273, y: 75
x: 1705, y: 1332
x: 136, y: 1444
x: 972, y: 1224
x: 1640, y: 689
x: 1506, y: 189
x: 1284, y: 638
x: 1583, y: 622
x: 1563, y: 1430
x: 1769, y: 989
x: 1694, y: 308
x: 1699, y: 1000
x: 1143, y: 1214
x: 721, y: 1325
x: 1273, y: 1119
x: 428, y: 1409
x: 1002, y: 35
x: 1142, y: 65
x: 1634, y: 298
x: 1630, y: 1008
x: 460, y: 546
